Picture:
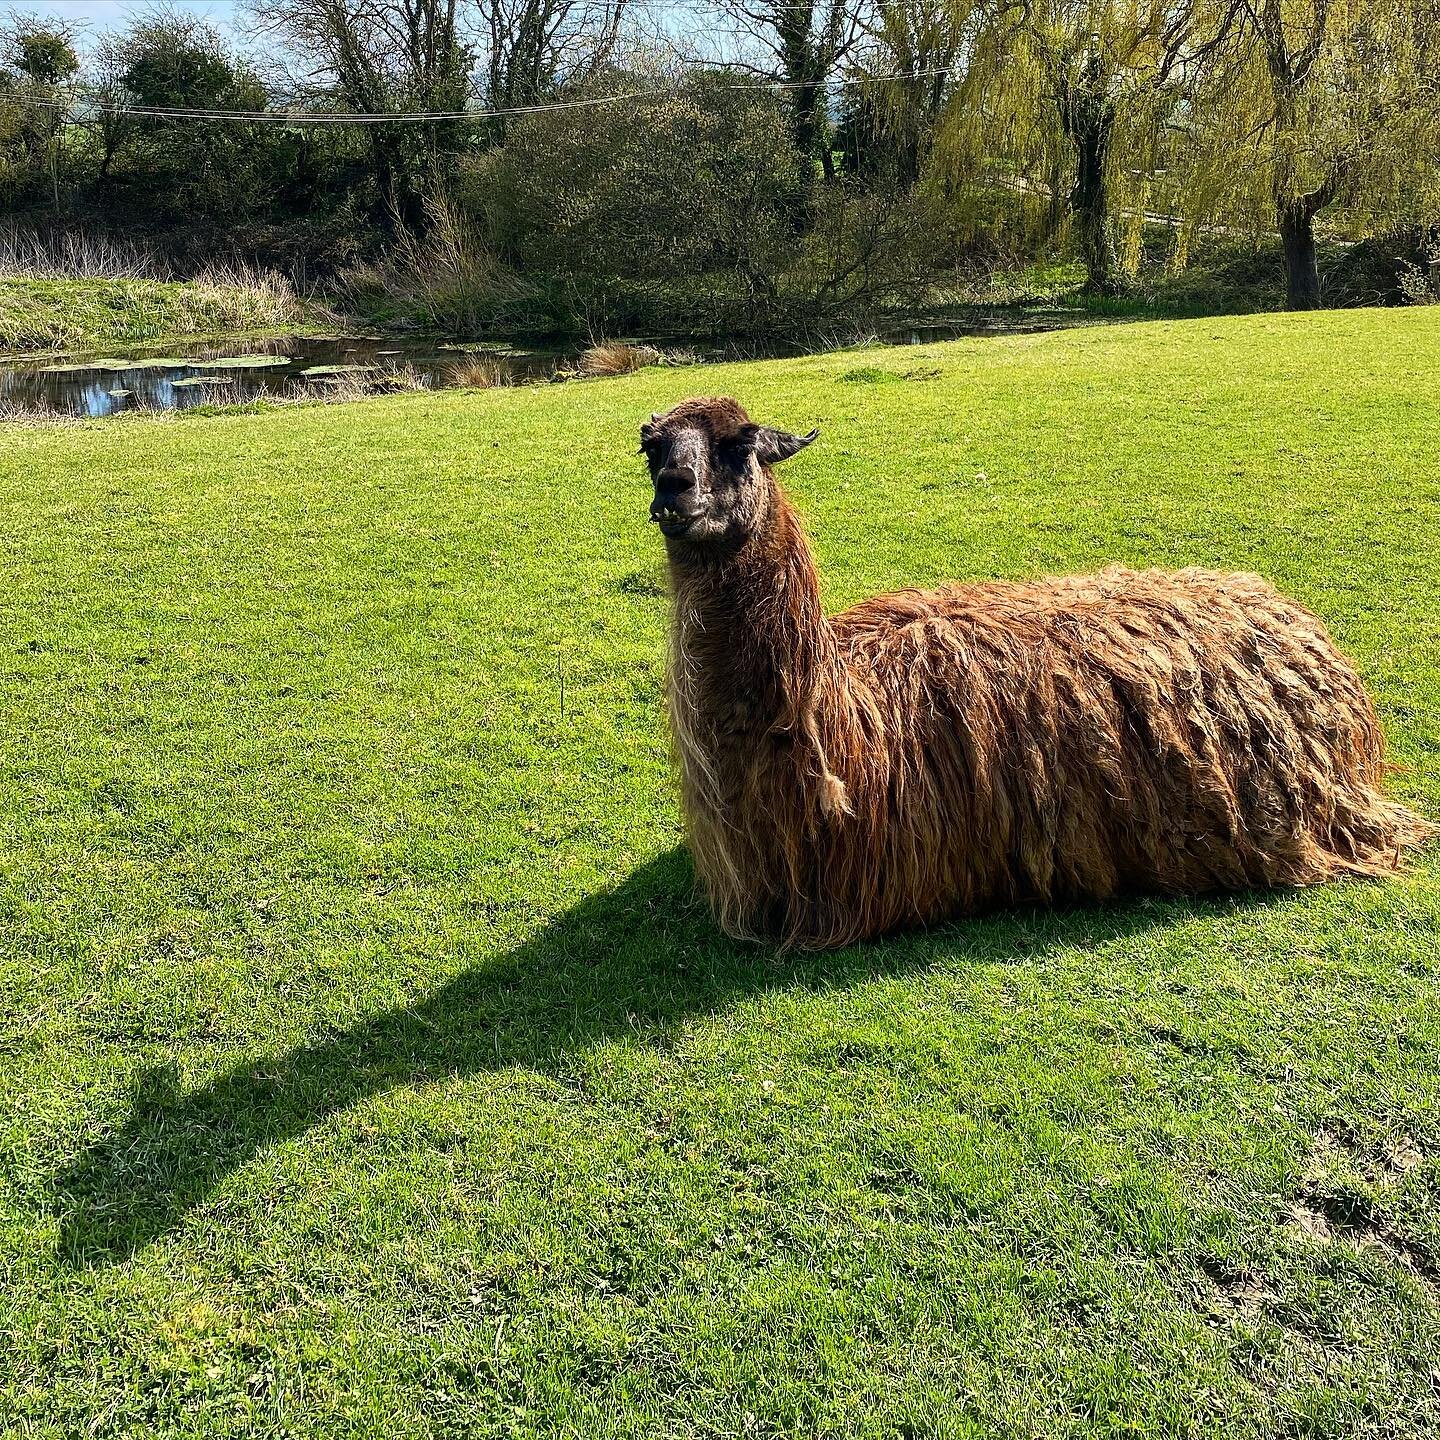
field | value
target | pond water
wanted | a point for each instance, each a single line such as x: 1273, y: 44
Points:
x: 183, y: 374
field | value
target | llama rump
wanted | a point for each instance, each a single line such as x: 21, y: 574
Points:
x: 932, y: 752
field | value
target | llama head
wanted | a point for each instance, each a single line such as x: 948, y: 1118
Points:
x: 710, y: 464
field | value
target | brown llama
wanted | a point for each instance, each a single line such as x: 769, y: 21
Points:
x: 928, y: 753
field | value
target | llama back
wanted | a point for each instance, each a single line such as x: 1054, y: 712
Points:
x: 1083, y: 736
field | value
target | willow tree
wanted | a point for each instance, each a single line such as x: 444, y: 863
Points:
x: 1318, y: 104
x: 912, y: 52
x: 1070, y: 97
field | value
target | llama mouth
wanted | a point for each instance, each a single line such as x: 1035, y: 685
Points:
x: 672, y: 523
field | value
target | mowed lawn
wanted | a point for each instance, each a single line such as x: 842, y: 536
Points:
x: 369, y: 1067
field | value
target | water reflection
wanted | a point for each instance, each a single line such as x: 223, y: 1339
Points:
x: 178, y: 377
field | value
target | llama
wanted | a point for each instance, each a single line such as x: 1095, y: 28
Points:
x: 930, y: 753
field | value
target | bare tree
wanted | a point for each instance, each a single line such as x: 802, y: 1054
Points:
x: 808, y: 40
x: 388, y: 56
x: 538, y: 48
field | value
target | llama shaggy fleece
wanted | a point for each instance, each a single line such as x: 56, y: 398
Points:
x: 933, y: 752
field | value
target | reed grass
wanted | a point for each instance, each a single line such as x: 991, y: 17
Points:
x: 616, y: 357
x: 447, y: 278
x: 476, y: 373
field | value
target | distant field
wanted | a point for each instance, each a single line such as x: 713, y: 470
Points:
x: 369, y: 1068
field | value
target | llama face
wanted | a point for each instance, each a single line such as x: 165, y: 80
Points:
x: 709, y: 465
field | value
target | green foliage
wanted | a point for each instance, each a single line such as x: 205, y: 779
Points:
x: 370, y: 1066
x: 46, y: 56
x: 181, y: 168
x: 41, y: 57
x: 972, y: 134
x: 695, y: 212
x: 182, y: 65
x: 682, y: 199
x: 446, y: 278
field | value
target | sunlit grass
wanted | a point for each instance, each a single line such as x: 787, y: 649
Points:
x: 370, y: 1068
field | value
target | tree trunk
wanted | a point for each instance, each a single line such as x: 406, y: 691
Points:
x: 812, y: 127
x: 1296, y: 220
x: 1092, y: 124
x: 1087, y: 115
x: 400, y: 193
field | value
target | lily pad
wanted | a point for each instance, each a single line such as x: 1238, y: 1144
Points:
x: 69, y: 367
x: 318, y: 371
x: 191, y: 380
x: 117, y: 394
x: 242, y: 362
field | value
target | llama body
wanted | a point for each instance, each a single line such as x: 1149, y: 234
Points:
x: 929, y: 753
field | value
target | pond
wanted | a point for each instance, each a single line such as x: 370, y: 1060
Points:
x: 179, y: 375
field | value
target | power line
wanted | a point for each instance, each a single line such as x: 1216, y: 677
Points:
x: 431, y: 117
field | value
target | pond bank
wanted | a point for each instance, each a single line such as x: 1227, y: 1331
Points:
x: 44, y: 315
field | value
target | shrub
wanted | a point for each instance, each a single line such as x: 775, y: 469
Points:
x: 448, y: 278
x: 675, y: 211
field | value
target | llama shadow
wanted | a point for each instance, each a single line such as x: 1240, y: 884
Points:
x: 635, y: 961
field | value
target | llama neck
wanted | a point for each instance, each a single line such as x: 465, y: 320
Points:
x: 753, y: 654
x: 750, y: 627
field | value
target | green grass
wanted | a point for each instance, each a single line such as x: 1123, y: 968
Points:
x: 44, y: 315
x: 370, y: 1068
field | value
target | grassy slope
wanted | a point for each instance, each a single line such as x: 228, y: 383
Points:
x: 39, y: 315
x: 369, y: 1068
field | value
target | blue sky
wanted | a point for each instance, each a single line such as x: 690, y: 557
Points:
x: 94, y: 17
x: 706, y: 34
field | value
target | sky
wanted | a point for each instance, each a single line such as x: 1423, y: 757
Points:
x: 95, y: 17
x: 92, y: 18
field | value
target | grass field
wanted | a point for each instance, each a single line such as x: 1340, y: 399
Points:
x: 369, y: 1067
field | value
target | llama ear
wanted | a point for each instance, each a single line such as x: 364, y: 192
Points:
x: 773, y: 446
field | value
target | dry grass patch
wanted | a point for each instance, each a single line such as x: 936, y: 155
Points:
x: 615, y: 357
x: 474, y: 373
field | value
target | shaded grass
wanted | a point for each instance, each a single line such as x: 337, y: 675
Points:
x: 370, y: 1067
